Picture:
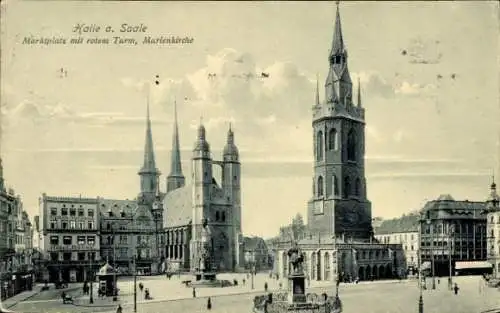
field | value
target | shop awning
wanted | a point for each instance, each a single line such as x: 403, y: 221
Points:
x: 472, y: 264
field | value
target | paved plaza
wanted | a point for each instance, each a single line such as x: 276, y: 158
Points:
x: 373, y: 297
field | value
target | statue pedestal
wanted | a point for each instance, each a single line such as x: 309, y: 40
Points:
x: 296, y: 288
x: 199, y: 276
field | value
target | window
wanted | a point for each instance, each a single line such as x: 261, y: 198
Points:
x: 67, y: 256
x: 319, y: 146
x: 81, y: 256
x: 53, y: 225
x: 90, y: 212
x: 335, y: 186
x: 358, y: 188
x: 347, y: 187
x: 332, y: 139
x: 64, y: 211
x: 80, y: 225
x: 351, y: 145
x: 54, y: 240
x: 81, y: 240
x: 90, y: 225
x: 53, y: 211
x: 67, y: 240
x: 123, y: 239
x: 54, y: 256
x: 72, y: 212
x: 217, y: 216
x: 320, y: 186
x: 81, y: 212
x: 72, y: 224
x: 223, y: 216
x: 91, y: 240
x: 64, y: 225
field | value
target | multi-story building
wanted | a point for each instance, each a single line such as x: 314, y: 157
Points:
x: 15, y: 242
x: 70, y: 237
x: 493, y: 230
x: 256, y: 254
x: 453, y: 232
x: 341, y: 242
x: 403, y: 231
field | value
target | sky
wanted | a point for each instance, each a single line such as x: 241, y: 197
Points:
x: 429, y: 84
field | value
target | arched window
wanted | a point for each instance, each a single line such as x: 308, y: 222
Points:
x: 335, y: 185
x: 347, y: 187
x: 332, y: 139
x: 320, y: 186
x: 319, y: 146
x: 351, y: 145
x: 327, y: 266
x: 358, y: 187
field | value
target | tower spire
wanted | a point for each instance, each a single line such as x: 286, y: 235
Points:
x: 149, y: 173
x: 359, y: 92
x: 338, y: 40
x: 176, y: 178
x: 317, y: 89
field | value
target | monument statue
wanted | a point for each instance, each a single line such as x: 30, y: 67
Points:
x: 296, y: 258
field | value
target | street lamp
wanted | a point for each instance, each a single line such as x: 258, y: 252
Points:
x: 451, y: 240
x: 429, y: 222
x: 252, y: 268
x: 419, y: 260
x: 91, y: 300
x: 135, y: 281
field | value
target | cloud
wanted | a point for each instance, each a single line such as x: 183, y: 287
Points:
x: 423, y: 51
x: 414, y: 89
x: 373, y: 84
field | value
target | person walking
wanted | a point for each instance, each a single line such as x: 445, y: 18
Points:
x: 119, y: 309
x: 194, y: 292
x: 209, y: 304
x: 455, y: 288
x: 265, y: 286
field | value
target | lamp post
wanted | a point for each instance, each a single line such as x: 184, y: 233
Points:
x: 451, y: 240
x: 91, y: 300
x: 135, y: 281
x: 429, y: 222
x: 115, y: 290
x: 419, y: 260
x: 252, y: 267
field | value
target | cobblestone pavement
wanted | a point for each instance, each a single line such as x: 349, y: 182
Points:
x: 376, y: 297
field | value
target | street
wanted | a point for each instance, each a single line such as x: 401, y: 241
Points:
x: 373, y: 297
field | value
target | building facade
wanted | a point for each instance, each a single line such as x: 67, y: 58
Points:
x: 256, y: 254
x: 403, y: 231
x: 16, y: 237
x: 493, y: 230
x: 70, y: 237
x: 341, y: 243
x: 453, y: 232
x: 216, y: 200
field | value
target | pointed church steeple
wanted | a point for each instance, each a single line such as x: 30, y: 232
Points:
x: 493, y: 199
x: 317, y: 90
x: 2, y: 187
x: 359, y: 93
x: 148, y: 172
x: 338, y: 85
x: 176, y: 178
x: 338, y: 40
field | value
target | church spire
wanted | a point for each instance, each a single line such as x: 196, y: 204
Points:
x: 338, y: 40
x: 149, y: 173
x: 175, y: 179
x: 359, y: 92
x: 2, y: 187
x: 317, y: 89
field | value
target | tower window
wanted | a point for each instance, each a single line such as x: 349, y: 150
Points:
x: 351, y: 145
x: 335, y: 185
x: 319, y: 146
x: 217, y: 216
x: 358, y: 187
x: 223, y: 217
x: 337, y: 59
x: 347, y: 187
x: 320, y: 186
x: 332, y: 139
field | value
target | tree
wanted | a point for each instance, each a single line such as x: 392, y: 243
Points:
x: 298, y: 226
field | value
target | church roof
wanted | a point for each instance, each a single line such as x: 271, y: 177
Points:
x: 178, y: 205
x: 403, y: 224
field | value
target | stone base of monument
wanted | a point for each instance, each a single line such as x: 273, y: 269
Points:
x: 207, y: 280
